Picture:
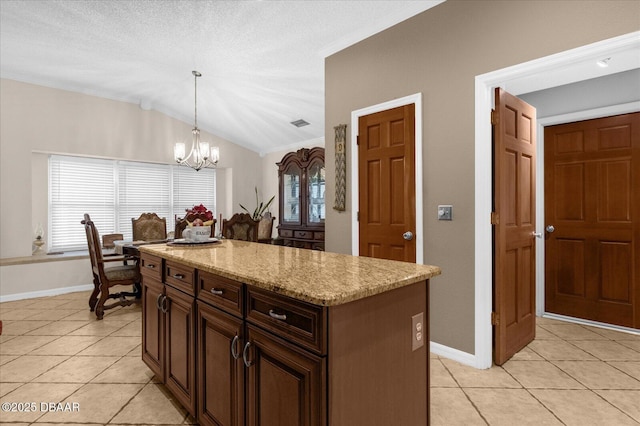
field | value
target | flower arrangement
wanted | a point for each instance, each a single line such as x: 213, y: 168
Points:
x: 200, y: 211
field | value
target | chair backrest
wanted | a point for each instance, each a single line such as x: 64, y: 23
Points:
x: 240, y: 227
x: 108, y: 240
x: 265, y: 227
x: 149, y: 227
x: 181, y: 223
x: 93, y: 243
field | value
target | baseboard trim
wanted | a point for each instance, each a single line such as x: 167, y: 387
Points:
x: 454, y: 354
x: 45, y: 293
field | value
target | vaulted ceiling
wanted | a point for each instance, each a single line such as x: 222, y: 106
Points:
x: 262, y: 62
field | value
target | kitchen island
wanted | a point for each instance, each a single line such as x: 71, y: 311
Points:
x: 256, y: 334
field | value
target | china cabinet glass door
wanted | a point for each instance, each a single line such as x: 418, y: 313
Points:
x: 316, y: 182
x: 291, y: 193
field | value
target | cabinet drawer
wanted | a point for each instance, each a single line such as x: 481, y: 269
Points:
x: 318, y: 236
x: 221, y: 292
x: 296, y: 321
x: 180, y: 276
x: 151, y: 266
x: 285, y: 233
x: 303, y: 234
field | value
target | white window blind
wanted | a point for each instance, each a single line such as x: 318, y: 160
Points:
x: 114, y: 192
x: 193, y: 188
x: 79, y: 186
x: 142, y: 188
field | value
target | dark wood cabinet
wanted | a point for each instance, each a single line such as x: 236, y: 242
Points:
x: 168, y: 327
x: 235, y: 354
x: 285, y: 384
x: 180, y: 347
x: 301, y: 177
x: 153, y: 326
x: 220, y: 368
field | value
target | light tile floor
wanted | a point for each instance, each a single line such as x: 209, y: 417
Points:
x: 54, y: 350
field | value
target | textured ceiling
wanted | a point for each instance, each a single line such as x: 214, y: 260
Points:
x: 262, y: 62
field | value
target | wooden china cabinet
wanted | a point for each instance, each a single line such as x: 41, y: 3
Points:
x: 302, y: 207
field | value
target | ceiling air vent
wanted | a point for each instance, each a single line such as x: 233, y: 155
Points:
x: 300, y: 123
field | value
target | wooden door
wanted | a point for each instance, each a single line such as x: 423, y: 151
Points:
x: 220, y: 368
x: 514, y: 180
x: 592, y: 193
x: 153, y: 326
x: 387, y: 184
x: 286, y: 385
x: 180, y: 347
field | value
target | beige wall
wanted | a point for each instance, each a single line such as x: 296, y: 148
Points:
x: 438, y: 53
x: 36, y: 120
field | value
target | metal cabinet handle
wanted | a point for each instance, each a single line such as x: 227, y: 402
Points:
x: 158, y: 302
x: 217, y: 292
x: 165, y: 305
x: 244, y: 355
x: 178, y: 276
x: 150, y: 266
x: 281, y: 317
x: 234, y: 344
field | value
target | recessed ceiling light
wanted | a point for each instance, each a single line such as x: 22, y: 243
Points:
x: 300, y: 123
x: 603, y: 63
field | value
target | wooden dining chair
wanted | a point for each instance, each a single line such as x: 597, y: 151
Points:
x: 149, y: 227
x: 240, y: 227
x: 104, y: 278
x: 265, y: 228
x: 182, y: 223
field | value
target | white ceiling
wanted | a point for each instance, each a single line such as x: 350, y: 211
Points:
x: 262, y: 62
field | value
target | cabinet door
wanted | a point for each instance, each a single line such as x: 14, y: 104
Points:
x: 153, y: 326
x: 290, y: 195
x: 220, y: 368
x: 315, y: 193
x: 180, y: 347
x: 286, y: 385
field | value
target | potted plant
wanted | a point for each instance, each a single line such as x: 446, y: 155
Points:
x: 261, y: 207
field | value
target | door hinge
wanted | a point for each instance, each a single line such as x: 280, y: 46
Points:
x: 495, y: 219
x: 358, y: 216
x: 495, y: 318
x: 358, y: 140
x: 494, y: 117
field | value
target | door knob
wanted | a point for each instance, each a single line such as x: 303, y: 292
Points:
x: 550, y: 228
x: 408, y: 235
x: 537, y: 234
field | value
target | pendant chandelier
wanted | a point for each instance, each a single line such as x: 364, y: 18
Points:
x: 201, y: 155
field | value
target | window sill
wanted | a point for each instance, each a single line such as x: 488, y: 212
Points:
x: 43, y: 258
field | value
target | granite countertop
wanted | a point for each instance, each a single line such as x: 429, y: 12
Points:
x: 317, y: 277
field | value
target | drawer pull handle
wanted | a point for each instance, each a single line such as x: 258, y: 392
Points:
x: 150, y: 266
x: 178, y: 276
x: 217, y: 292
x: 234, y: 344
x: 281, y: 317
x: 244, y: 355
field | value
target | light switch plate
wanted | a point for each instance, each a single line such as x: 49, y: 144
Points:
x: 445, y: 212
x: 417, y: 331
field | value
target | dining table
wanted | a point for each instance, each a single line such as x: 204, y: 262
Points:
x: 131, y: 248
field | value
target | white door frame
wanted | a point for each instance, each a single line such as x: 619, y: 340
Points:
x: 534, y: 72
x: 355, y: 116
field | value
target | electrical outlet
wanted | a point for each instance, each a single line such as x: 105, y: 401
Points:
x: 417, y: 331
